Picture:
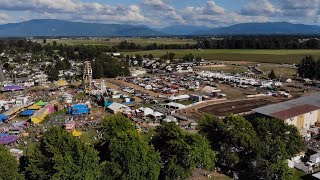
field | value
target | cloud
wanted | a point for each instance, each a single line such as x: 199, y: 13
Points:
x: 4, y: 18
x: 162, y: 12
x: 260, y: 8
x: 76, y: 10
x: 211, y: 8
x: 158, y: 5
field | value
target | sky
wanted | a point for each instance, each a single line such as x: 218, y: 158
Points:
x: 162, y: 13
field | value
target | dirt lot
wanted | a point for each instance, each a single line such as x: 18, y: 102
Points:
x: 235, y: 107
x: 113, y: 86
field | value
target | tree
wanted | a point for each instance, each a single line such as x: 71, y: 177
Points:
x: 8, y: 165
x: 139, y: 59
x: 198, y: 59
x: 131, y: 157
x: 307, y: 67
x: 151, y: 56
x: 272, y: 75
x: 61, y: 156
x: 54, y: 43
x: 127, y: 154
x: 171, y: 55
x: 188, y: 58
x: 279, y: 141
x: 181, y: 152
x: 98, y: 70
x: 234, y: 139
x: 53, y: 74
x: 269, y: 171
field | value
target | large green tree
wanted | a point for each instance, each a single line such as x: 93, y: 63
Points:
x: 188, y: 57
x: 9, y: 168
x: 234, y: 139
x: 127, y: 154
x: 181, y: 152
x: 307, y: 67
x: 61, y: 156
x: 278, y: 140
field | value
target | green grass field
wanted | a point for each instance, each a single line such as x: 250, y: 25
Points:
x: 266, y: 56
x: 116, y: 41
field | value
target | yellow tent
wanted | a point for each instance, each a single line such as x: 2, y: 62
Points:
x: 61, y: 82
x: 34, y: 107
x: 39, y: 116
x: 76, y: 133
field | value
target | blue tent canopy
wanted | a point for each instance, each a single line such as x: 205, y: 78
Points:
x: 79, y: 109
x: 3, y: 117
x: 27, y: 113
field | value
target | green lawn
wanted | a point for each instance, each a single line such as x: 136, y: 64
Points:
x: 267, y: 56
x: 298, y: 174
x: 283, y: 71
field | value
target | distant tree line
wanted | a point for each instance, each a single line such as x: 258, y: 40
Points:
x: 127, y: 45
x: 263, y: 42
x: 76, y: 52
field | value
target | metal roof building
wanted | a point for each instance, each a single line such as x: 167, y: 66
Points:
x: 302, y: 112
x: 295, y: 107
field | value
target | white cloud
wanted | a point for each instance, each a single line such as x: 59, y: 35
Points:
x: 158, y: 5
x: 77, y: 9
x: 4, y: 18
x: 260, y: 8
x: 210, y: 9
x: 162, y: 12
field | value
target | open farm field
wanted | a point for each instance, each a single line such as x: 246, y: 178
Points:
x: 116, y: 41
x: 251, y: 55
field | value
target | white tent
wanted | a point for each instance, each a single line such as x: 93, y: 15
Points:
x: 175, y: 105
x: 117, y: 107
x: 146, y: 111
x: 157, y: 114
x: 170, y: 119
x: 210, y: 90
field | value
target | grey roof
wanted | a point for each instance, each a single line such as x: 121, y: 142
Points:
x: 268, y: 110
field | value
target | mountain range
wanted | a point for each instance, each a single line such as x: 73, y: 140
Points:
x: 52, y: 27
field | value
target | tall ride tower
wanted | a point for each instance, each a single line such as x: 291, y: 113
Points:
x: 87, y: 77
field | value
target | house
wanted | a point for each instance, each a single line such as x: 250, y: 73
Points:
x: 303, y: 112
x: 116, y: 108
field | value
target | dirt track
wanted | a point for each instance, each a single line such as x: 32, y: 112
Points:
x: 235, y: 107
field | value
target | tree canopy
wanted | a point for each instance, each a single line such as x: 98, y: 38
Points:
x: 107, y: 66
x: 61, y: 156
x: 309, y: 68
x: 181, y: 152
x: 256, y: 150
x: 234, y: 139
x: 127, y: 154
x: 9, y: 168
